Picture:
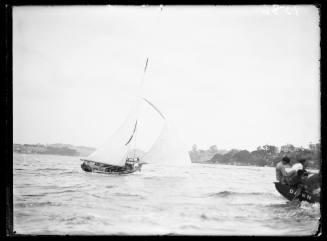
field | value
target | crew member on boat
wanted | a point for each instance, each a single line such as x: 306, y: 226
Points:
x: 300, y: 165
x: 298, y: 181
x: 313, y: 183
x: 298, y: 177
x: 281, y: 174
x: 299, y: 170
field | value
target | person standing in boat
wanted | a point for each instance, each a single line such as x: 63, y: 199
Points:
x: 281, y: 174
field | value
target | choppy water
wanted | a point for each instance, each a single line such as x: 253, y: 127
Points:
x: 52, y: 195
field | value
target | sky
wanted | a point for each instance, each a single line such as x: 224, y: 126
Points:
x: 232, y: 76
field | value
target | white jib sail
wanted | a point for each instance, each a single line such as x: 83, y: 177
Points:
x: 114, y: 150
x: 168, y: 149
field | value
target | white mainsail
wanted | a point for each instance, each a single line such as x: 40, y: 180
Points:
x: 115, y: 149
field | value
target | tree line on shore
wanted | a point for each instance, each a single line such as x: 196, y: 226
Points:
x: 266, y: 155
x: 53, y: 149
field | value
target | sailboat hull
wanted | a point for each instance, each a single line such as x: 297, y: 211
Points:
x: 96, y: 167
x: 289, y: 193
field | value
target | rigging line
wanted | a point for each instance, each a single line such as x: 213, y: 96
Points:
x: 153, y: 106
x: 132, y: 134
x: 135, y: 143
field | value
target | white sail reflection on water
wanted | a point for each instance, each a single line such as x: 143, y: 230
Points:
x: 115, y: 149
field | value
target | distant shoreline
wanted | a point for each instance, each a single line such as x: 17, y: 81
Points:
x: 59, y: 149
x: 244, y: 165
x: 315, y: 169
x: 267, y: 156
x: 264, y: 156
x: 53, y: 149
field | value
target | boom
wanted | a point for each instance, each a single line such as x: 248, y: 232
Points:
x: 154, y: 107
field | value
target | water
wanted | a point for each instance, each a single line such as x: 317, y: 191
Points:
x: 52, y: 195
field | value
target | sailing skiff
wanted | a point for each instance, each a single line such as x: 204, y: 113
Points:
x: 289, y: 193
x: 116, y: 155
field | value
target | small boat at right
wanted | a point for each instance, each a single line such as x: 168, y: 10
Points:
x: 289, y: 193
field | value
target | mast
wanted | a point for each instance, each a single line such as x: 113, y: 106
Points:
x: 135, y: 129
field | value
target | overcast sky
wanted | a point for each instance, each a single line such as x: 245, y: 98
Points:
x: 231, y: 76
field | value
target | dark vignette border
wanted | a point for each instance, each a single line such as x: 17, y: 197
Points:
x: 8, y: 99
x: 6, y: 10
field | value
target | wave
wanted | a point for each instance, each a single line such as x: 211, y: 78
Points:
x: 75, y: 220
x: 96, y: 196
x: 212, y: 217
x: 62, y: 188
x: 73, y: 186
x: 71, y: 172
x: 297, y: 211
x: 230, y: 194
x: 110, y: 186
x: 189, y: 226
x: 64, y: 191
x: 33, y: 195
x: 44, y: 194
x: 36, y: 204
x: 128, y: 195
x: 151, y: 177
x: 49, y: 169
x: 310, y: 209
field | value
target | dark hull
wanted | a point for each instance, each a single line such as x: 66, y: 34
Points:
x: 109, y: 170
x: 289, y: 193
